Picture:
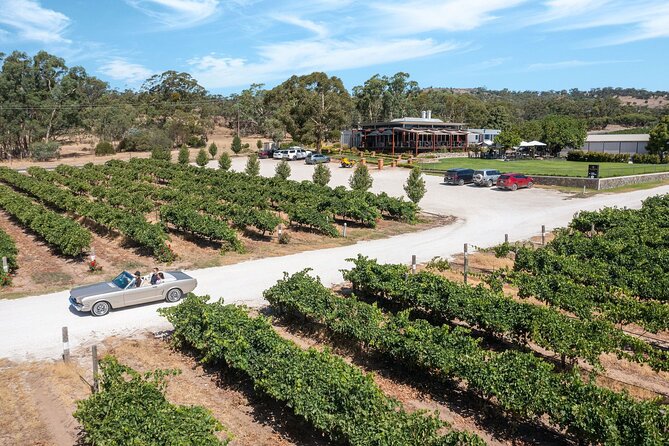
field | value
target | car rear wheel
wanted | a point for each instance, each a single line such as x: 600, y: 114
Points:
x: 530, y: 184
x: 174, y: 295
x: 461, y: 183
x: 514, y: 186
x: 100, y: 308
x: 489, y: 183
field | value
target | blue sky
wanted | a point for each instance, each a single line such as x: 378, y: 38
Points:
x: 229, y: 44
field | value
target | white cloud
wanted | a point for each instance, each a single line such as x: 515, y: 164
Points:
x: 627, y: 21
x: 565, y: 64
x: 32, y: 22
x: 280, y: 60
x: 178, y: 13
x: 121, y: 69
x: 417, y: 16
x: 319, y: 29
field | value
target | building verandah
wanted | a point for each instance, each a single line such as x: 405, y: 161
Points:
x: 400, y: 140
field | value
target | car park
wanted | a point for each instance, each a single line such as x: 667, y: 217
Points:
x: 486, y: 177
x: 514, y: 181
x: 317, y: 158
x: 459, y: 176
x: 122, y: 291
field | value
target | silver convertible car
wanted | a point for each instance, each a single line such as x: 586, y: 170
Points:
x: 122, y: 292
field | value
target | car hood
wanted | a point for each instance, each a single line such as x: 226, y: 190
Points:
x: 93, y: 290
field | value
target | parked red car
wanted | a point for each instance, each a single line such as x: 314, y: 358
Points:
x: 514, y: 181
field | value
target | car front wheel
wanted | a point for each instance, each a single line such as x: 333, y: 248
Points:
x: 461, y: 183
x: 100, y: 308
x: 514, y: 186
x: 530, y: 184
x: 489, y: 183
x: 174, y: 295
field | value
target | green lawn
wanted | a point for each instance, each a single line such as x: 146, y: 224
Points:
x: 548, y: 167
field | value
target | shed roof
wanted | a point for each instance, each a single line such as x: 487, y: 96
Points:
x: 640, y: 137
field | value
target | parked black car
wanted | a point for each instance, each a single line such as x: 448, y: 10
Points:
x: 459, y: 176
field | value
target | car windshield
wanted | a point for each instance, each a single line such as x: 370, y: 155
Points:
x: 503, y: 177
x: 123, y: 279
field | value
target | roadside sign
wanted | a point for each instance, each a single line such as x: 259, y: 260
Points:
x: 593, y: 170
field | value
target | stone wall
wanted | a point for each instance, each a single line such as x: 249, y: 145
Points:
x: 589, y: 183
x: 600, y: 183
x: 610, y: 183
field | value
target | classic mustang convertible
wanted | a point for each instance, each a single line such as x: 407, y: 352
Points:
x: 123, y: 292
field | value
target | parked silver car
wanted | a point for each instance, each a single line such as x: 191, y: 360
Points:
x: 486, y: 177
x: 123, y: 291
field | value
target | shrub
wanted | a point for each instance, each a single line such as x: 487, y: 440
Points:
x: 282, y: 170
x: 144, y: 140
x: 252, y: 166
x: 184, y: 155
x: 44, y: 151
x: 213, y: 149
x: 104, y: 148
x: 361, y: 180
x: 224, y: 162
x: 259, y: 144
x: 236, y: 145
x: 246, y: 146
x: 597, y: 157
x: 202, y: 158
x: 196, y: 141
x: 160, y: 153
x: 648, y: 159
x: 415, y: 185
x: 321, y: 175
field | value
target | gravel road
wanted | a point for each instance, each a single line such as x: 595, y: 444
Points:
x: 30, y: 328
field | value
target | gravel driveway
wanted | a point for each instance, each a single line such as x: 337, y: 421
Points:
x: 30, y: 328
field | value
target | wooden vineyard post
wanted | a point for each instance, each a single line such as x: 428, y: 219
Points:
x: 94, y: 355
x: 506, y: 238
x: 344, y: 230
x: 466, y: 263
x: 66, y: 345
x: 592, y: 230
x: 543, y: 235
x: 413, y: 264
x: 5, y: 265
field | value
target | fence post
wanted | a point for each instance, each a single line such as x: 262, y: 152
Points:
x: 66, y: 345
x: 344, y: 230
x: 506, y: 238
x: 5, y: 265
x: 94, y: 355
x: 466, y: 263
x: 279, y: 231
x: 413, y: 264
x: 543, y: 235
x: 592, y: 230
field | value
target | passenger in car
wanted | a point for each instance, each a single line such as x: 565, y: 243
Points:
x: 157, y: 277
x: 138, y: 279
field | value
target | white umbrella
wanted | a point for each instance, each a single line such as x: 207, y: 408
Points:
x: 535, y: 143
x: 525, y: 144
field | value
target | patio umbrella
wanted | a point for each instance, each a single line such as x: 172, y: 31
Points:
x: 535, y: 143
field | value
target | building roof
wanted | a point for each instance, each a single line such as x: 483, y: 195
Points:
x: 640, y: 137
x: 410, y: 119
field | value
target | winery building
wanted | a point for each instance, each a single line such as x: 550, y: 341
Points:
x: 414, y: 135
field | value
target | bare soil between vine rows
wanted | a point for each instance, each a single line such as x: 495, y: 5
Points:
x: 41, y: 270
